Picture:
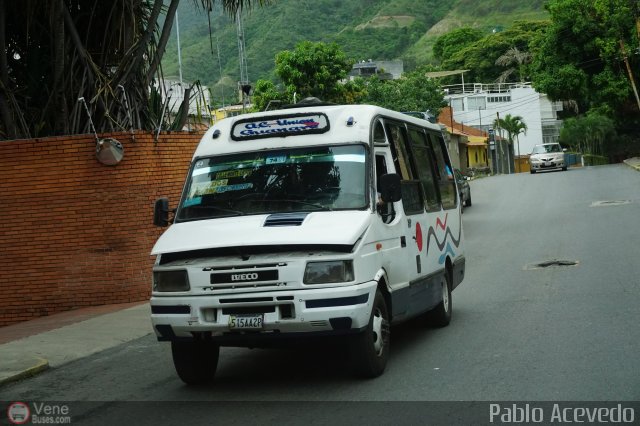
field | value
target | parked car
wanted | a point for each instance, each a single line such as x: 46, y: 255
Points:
x: 463, y: 188
x: 547, y: 156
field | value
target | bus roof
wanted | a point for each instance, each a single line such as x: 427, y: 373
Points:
x: 304, y: 126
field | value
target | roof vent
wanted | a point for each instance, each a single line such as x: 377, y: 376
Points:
x: 285, y: 219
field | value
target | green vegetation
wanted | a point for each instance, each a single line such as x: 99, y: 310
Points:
x: 364, y: 29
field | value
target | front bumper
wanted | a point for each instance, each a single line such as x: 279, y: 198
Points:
x: 548, y: 165
x: 334, y: 310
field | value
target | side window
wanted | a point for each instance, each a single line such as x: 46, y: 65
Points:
x: 378, y: 133
x: 385, y: 210
x: 425, y: 168
x: 446, y: 182
x: 412, y: 197
x: 399, y: 148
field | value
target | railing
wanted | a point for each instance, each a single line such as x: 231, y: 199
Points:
x: 458, y: 89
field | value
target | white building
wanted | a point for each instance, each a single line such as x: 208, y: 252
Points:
x: 386, y: 70
x: 173, y: 92
x: 478, y: 105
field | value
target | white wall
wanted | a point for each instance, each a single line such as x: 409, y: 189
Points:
x: 524, y: 101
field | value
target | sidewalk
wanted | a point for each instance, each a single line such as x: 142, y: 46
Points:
x: 31, y: 347
x: 633, y: 162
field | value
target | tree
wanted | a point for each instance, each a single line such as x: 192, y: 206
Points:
x: 479, y: 57
x: 413, y: 92
x: 588, y: 133
x: 447, y: 44
x: 266, y: 95
x: 579, y: 58
x: 513, y: 125
x: 313, y: 69
x: 54, y: 52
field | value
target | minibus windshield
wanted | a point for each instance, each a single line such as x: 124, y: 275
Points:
x: 306, y: 179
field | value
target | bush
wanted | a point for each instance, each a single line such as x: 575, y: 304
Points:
x: 594, y: 160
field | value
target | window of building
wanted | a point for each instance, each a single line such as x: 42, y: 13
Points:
x: 476, y: 102
x: 497, y: 99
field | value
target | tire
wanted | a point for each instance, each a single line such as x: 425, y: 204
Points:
x: 564, y: 169
x: 440, y: 316
x: 533, y: 172
x: 467, y: 203
x: 370, y: 349
x: 195, y: 362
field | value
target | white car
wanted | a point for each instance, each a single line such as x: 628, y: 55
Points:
x: 547, y: 156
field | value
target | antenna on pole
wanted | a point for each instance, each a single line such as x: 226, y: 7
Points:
x: 243, y: 83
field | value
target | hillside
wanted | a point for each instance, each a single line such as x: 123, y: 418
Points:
x: 365, y: 29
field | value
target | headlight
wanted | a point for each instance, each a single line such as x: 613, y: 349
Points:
x: 337, y: 271
x: 170, y: 281
x: 534, y: 160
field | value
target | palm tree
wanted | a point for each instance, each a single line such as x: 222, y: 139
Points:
x: 53, y: 52
x: 517, y: 58
x: 513, y: 125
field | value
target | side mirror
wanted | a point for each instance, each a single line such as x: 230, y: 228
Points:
x: 161, y: 212
x: 390, y: 190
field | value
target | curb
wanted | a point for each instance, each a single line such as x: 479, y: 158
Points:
x: 40, y: 366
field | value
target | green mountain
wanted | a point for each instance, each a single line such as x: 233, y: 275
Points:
x: 364, y: 29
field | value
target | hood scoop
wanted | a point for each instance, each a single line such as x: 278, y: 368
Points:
x: 285, y: 219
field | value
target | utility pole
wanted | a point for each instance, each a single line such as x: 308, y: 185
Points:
x: 626, y: 61
x: 498, y: 144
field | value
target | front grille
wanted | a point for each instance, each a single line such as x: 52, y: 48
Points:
x: 245, y: 276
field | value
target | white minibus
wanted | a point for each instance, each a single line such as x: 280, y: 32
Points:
x: 315, y: 221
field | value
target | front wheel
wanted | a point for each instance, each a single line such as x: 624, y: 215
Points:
x: 195, y: 362
x: 370, y: 349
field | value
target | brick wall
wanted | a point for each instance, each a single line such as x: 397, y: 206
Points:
x: 78, y: 233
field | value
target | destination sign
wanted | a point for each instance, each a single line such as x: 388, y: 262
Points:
x: 268, y: 127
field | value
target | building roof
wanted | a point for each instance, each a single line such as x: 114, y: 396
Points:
x: 437, y: 74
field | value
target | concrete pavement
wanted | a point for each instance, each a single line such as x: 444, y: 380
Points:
x: 31, y: 347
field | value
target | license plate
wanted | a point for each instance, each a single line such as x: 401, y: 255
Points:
x: 547, y: 164
x: 246, y: 322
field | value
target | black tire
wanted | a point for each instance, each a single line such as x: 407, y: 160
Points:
x: 533, y: 172
x: 467, y: 203
x: 195, y: 362
x: 370, y: 349
x: 564, y: 169
x: 440, y: 316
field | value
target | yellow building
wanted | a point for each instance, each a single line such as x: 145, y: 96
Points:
x: 231, y: 111
x: 477, y: 152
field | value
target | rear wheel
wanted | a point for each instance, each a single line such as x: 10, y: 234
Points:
x: 440, y: 316
x: 195, y: 362
x: 370, y: 349
x: 468, y: 201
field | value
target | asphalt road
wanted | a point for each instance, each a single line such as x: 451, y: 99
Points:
x: 519, y: 332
